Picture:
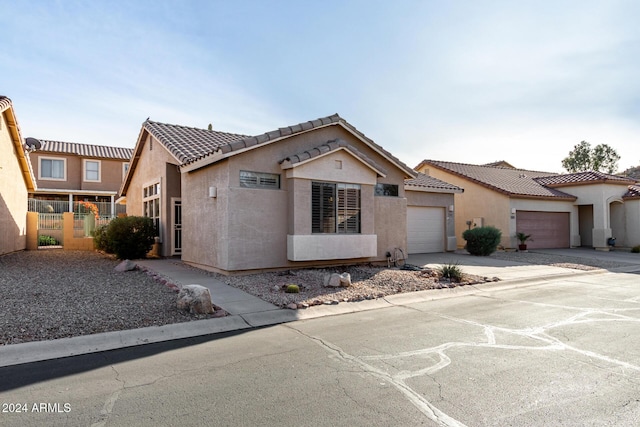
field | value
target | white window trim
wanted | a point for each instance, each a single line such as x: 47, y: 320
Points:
x: 64, y: 167
x: 157, y: 196
x: 84, y: 170
x: 124, y: 170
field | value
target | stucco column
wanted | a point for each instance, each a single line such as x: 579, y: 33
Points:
x: 601, y: 227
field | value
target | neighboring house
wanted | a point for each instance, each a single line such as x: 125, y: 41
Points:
x: 68, y: 173
x: 558, y: 210
x: 16, y: 181
x: 316, y: 193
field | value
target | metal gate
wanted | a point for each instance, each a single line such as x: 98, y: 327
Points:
x: 50, y: 230
x: 176, y: 226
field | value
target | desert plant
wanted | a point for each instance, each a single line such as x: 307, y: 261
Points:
x: 482, y: 241
x: 292, y: 289
x: 452, y: 272
x: 522, y: 237
x: 129, y: 237
x: 636, y: 249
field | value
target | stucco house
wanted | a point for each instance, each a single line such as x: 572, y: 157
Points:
x: 16, y: 181
x: 316, y: 193
x: 558, y: 210
x: 69, y: 172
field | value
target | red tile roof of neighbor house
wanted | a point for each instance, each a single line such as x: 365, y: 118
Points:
x: 633, y: 192
x: 589, y: 177
x: 189, y: 145
x: 429, y: 182
x: 505, y: 180
x: 86, y: 150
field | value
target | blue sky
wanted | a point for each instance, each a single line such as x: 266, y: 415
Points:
x: 463, y: 81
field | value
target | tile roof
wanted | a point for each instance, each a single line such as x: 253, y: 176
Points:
x: 633, y: 192
x: 328, y: 147
x: 589, y: 177
x: 4, y: 103
x: 429, y: 182
x: 189, y: 145
x: 512, y: 182
x: 86, y: 150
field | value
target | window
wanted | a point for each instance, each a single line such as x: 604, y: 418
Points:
x: 151, y: 204
x: 92, y: 170
x: 259, y: 180
x: 53, y: 168
x: 125, y: 168
x: 386, y: 190
x: 335, y: 208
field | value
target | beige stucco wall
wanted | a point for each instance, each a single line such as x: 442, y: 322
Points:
x: 156, y: 164
x: 13, y: 196
x: 632, y: 214
x: 111, y: 173
x: 245, y: 229
x: 443, y: 200
x: 477, y: 201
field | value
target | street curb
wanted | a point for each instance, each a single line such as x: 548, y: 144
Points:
x: 37, y: 351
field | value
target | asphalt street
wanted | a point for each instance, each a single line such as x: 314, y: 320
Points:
x: 561, y: 352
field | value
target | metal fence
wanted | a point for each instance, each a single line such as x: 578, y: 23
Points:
x: 60, y: 206
x: 49, y: 229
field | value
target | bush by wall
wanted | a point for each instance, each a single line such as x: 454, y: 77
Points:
x: 636, y: 249
x: 482, y: 241
x: 129, y: 237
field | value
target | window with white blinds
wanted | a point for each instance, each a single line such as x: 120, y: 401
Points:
x: 335, y: 208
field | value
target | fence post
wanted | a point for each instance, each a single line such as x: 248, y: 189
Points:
x: 32, y: 231
x: 67, y: 228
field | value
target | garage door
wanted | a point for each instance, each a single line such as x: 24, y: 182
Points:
x: 425, y: 230
x: 547, y: 229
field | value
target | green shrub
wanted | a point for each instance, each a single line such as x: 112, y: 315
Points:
x: 292, y: 289
x: 452, y: 272
x: 129, y: 237
x: 47, y: 241
x: 100, y: 239
x: 636, y: 249
x: 482, y: 241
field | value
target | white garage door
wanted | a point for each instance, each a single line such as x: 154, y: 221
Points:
x: 425, y: 230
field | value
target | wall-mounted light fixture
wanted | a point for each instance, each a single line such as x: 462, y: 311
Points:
x: 213, y: 192
x: 513, y: 211
x: 450, y: 208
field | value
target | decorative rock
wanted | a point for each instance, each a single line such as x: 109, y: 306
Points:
x: 125, y: 265
x: 332, y: 281
x: 345, y: 280
x: 292, y: 306
x: 196, y: 299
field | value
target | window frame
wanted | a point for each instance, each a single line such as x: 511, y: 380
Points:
x: 125, y: 169
x: 335, y: 212
x: 85, y: 170
x: 152, y: 205
x: 52, y: 159
x: 382, y: 192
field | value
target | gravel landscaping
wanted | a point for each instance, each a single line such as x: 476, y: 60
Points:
x: 51, y: 294
x: 368, y: 282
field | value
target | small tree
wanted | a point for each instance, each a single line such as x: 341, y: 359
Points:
x: 482, y: 241
x: 583, y: 158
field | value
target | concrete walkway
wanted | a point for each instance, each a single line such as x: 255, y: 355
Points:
x: 247, y: 311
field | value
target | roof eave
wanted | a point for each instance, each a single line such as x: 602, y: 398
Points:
x: 16, y: 139
x: 424, y: 189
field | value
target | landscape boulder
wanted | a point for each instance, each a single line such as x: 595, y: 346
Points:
x: 332, y: 280
x: 125, y: 265
x: 196, y: 299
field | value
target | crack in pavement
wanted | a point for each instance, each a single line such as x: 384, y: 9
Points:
x: 537, y: 334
